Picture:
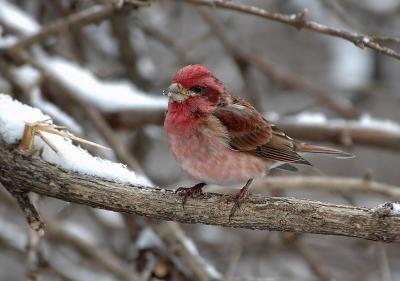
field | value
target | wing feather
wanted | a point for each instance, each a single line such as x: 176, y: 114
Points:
x: 249, y: 132
x: 245, y: 126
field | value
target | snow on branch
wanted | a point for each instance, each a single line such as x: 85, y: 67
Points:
x: 74, y: 180
x: 106, y: 96
x: 12, y: 16
x: 366, y: 130
x: 364, y: 122
x: 15, y: 115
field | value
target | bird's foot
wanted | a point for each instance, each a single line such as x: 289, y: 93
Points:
x: 239, y: 198
x: 190, y: 192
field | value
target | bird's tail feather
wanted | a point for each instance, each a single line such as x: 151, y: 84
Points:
x: 311, y: 148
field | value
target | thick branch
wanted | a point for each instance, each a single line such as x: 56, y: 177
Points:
x: 281, y: 214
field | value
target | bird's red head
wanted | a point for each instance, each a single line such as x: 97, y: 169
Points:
x: 196, y: 82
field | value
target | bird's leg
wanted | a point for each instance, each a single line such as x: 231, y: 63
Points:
x: 239, y: 198
x: 187, y: 192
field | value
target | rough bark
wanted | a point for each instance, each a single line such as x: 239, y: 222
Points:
x: 25, y: 173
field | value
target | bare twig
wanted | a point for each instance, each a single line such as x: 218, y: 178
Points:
x: 18, y: 248
x: 303, y: 250
x: 32, y: 216
x: 33, y: 256
x: 181, y: 245
x: 105, y: 258
x: 242, y: 65
x: 169, y: 42
x: 299, y: 21
x: 126, y: 51
x: 89, y: 16
x: 329, y: 184
x: 244, y: 61
x: 293, y: 81
x: 342, y: 135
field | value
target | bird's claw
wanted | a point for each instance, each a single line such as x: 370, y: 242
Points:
x: 239, y: 198
x: 189, y: 192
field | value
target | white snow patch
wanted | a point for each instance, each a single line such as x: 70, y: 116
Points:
x: 351, y: 67
x: 13, y: 17
x: 26, y: 75
x: 55, y: 112
x: 112, y: 219
x: 79, y: 231
x: 7, y: 41
x: 311, y: 118
x: 13, y: 234
x: 107, y: 96
x: 272, y: 116
x: 13, y: 117
x: 146, y: 67
x: 366, y: 121
x: 147, y: 238
x: 366, y: 40
x: 395, y: 210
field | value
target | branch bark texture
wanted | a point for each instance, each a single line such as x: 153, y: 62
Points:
x: 258, y: 212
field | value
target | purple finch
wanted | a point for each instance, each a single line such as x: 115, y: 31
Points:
x: 220, y: 138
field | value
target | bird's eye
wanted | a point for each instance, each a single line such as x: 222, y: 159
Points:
x: 196, y: 89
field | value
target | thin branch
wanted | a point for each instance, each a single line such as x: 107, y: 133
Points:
x: 168, y: 41
x: 288, y: 80
x: 127, y: 53
x: 48, y: 265
x: 299, y: 21
x: 292, y: 81
x: 105, y: 258
x: 303, y: 250
x: 25, y: 204
x: 89, y: 16
x: 33, y: 256
x: 242, y: 65
x: 258, y: 212
x: 181, y: 245
x: 329, y: 184
x: 343, y: 135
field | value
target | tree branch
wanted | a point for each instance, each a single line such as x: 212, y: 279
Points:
x: 298, y: 21
x: 91, y: 15
x: 342, y: 135
x: 258, y: 212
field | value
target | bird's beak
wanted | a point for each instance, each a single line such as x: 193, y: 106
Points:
x: 176, y: 92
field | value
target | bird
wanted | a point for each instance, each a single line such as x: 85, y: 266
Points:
x: 217, y: 137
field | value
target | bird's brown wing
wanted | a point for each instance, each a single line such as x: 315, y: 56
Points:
x: 245, y: 127
x: 249, y: 132
x: 281, y: 148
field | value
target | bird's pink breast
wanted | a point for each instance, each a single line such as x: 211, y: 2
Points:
x: 204, y: 156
